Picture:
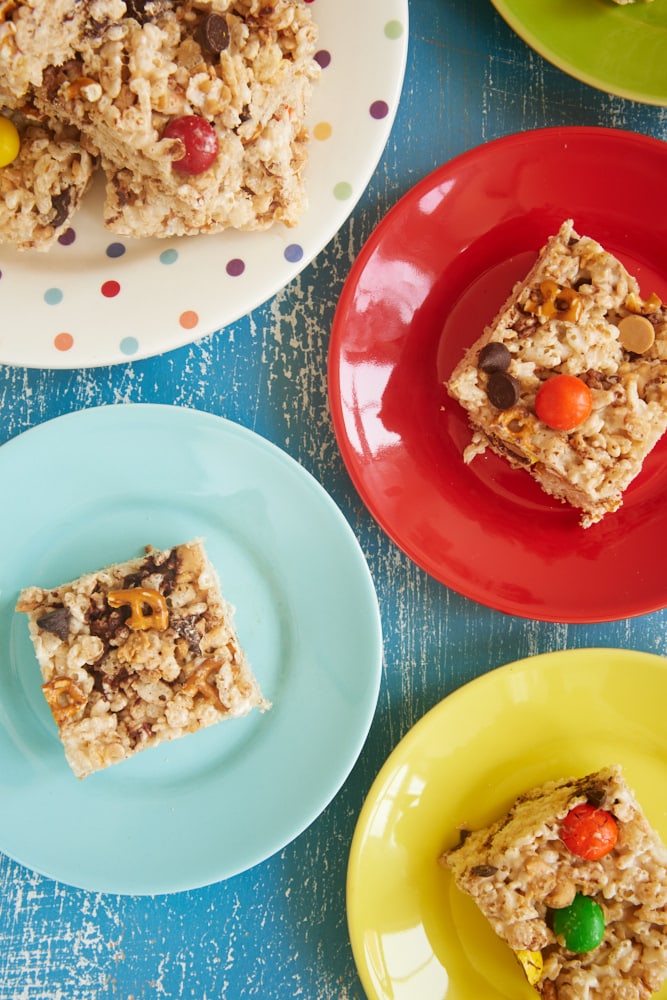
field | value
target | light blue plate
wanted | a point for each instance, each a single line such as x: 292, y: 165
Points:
x: 96, y: 486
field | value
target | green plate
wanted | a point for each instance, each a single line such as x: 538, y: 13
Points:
x: 620, y: 49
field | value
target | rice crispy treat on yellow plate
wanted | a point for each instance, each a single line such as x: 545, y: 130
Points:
x: 231, y: 76
x: 574, y: 880
x: 138, y: 653
x: 43, y: 186
x: 569, y: 381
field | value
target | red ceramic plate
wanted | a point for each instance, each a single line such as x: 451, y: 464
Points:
x: 431, y: 275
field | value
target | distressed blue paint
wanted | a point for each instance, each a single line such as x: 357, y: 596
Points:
x: 279, y: 931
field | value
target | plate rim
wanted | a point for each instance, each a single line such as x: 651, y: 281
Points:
x: 623, y: 138
x: 549, y: 660
x: 505, y: 10
x: 93, y: 355
x: 113, y: 879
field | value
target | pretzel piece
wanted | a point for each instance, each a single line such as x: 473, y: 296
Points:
x: 557, y: 300
x: 199, y: 682
x: 64, y: 697
x: 138, y: 599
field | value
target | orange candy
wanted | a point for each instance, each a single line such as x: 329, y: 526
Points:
x: 563, y: 402
x: 589, y: 832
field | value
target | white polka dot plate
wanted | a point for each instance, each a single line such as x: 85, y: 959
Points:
x: 97, y: 299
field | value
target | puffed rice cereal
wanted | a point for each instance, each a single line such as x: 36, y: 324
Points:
x: 124, y: 75
x: 569, y: 381
x: 585, y: 915
x: 138, y: 653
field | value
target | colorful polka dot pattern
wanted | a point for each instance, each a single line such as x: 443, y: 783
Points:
x: 111, y: 287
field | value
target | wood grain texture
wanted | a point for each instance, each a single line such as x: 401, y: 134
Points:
x: 279, y: 931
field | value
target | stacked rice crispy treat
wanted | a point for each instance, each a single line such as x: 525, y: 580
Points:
x: 521, y: 875
x: 44, y: 185
x: 139, y: 653
x: 121, y: 73
x: 578, y: 313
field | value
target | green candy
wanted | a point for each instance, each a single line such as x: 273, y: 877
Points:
x: 580, y: 925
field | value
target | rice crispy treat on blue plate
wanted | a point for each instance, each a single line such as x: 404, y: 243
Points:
x: 138, y: 653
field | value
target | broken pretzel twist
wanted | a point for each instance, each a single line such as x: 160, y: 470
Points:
x: 138, y: 599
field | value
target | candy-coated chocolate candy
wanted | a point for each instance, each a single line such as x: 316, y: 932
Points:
x: 589, y: 832
x: 10, y: 141
x: 580, y: 925
x: 532, y: 965
x: 199, y: 141
x: 563, y: 402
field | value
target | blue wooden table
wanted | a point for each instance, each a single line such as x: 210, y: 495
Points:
x: 279, y: 930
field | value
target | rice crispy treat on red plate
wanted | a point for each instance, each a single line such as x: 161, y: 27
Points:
x: 43, y: 186
x: 569, y: 381
x: 138, y: 653
x: 574, y: 880
x: 238, y: 74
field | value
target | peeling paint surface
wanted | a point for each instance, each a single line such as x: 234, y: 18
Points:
x: 279, y: 930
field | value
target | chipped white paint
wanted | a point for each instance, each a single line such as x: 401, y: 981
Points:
x: 279, y: 931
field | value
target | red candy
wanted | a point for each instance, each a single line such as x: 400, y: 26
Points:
x: 563, y: 402
x: 589, y: 832
x: 200, y: 142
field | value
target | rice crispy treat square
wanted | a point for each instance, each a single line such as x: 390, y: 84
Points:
x: 138, y: 653
x: 244, y: 66
x: 42, y: 188
x: 520, y: 873
x: 577, y: 313
x: 35, y: 34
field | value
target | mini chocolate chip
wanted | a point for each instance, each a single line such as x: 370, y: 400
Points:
x: 213, y: 34
x: 187, y: 629
x: 595, y: 795
x: 484, y: 870
x: 137, y: 10
x: 61, y: 206
x: 494, y: 357
x: 582, y: 279
x: 503, y: 390
x: 57, y: 622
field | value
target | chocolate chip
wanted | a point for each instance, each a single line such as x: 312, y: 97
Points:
x: 61, y: 205
x: 187, y: 629
x: 106, y: 623
x: 213, y: 34
x: 503, y: 390
x: 57, y: 622
x: 167, y: 570
x: 137, y: 10
x: 595, y: 795
x: 582, y: 279
x: 494, y: 357
x: 484, y: 870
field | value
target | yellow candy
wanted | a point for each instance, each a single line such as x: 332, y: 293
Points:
x: 531, y: 962
x: 10, y: 142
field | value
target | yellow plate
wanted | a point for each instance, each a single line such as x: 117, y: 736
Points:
x: 414, y: 935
